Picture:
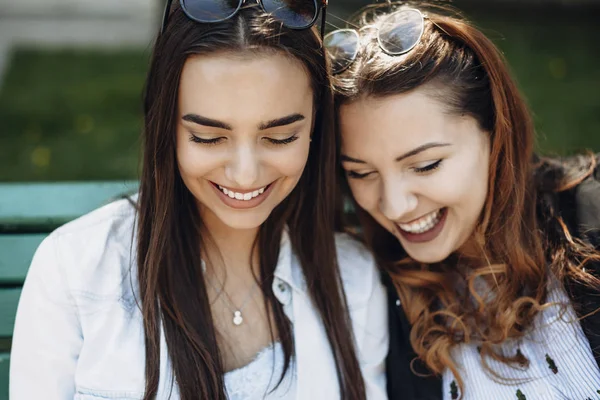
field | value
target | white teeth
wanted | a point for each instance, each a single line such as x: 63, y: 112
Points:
x: 423, y: 224
x: 241, y: 196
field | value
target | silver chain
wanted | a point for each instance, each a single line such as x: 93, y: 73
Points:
x: 238, y: 319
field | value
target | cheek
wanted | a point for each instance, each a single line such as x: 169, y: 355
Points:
x: 474, y: 184
x: 458, y: 183
x: 194, y: 161
x: 366, y: 194
x: 288, y: 162
x: 445, y: 190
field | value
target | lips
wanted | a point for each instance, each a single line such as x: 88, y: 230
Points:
x: 422, y: 224
x: 243, y: 199
x: 245, y: 196
x: 424, y: 229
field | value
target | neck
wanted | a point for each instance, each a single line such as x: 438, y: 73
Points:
x: 229, y: 251
x: 472, y: 249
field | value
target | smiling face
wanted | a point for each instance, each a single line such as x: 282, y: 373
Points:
x: 420, y: 171
x: 243, y: 134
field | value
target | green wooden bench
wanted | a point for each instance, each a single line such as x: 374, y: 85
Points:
x: 28, y: 212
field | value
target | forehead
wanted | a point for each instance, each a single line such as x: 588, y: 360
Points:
x: 251, y: 87
x: 397, y: 123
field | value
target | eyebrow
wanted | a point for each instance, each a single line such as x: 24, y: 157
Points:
x: 414, y: 152
x: 213, y: 123
x: 287, y: 120
x: 204, y: 121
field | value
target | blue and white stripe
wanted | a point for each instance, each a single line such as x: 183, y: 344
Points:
x: 558, y: 334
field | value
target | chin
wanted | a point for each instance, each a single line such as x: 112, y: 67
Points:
x: 429, y: 260
x: 243, y: 222
x: 429, y: 255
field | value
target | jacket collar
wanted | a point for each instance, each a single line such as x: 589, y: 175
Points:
x: 288, y: 268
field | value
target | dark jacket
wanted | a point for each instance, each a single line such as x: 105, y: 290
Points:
x: 580, y: 209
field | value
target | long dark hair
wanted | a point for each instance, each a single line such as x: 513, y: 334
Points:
x: 470, y: 76
x: 172, y: 290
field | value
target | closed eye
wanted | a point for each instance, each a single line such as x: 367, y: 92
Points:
x: 288, y: 140
x: 356, y: 175
x: 212, y: 141
x: 429, y: 167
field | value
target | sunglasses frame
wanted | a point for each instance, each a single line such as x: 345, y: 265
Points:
x: 321, y: 7
x: 379, y: 42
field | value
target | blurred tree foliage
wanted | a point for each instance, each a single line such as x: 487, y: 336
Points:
x: 69, y: 115
x: 75, y: 115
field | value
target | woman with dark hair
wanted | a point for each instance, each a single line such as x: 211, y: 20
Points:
x: 490, y: 253
x: 224, y: 279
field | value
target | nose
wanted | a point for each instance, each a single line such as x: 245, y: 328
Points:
x: 242, y: 168
x: 396, y: 200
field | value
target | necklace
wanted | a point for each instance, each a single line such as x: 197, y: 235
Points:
x: 238, y: 319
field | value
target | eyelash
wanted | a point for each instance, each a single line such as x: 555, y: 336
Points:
x: 429, y: 168
x: 214, y: 141
x: 356, y: 175
x: 208, y: 142
x: 422, y: 170
x: 288, y: 140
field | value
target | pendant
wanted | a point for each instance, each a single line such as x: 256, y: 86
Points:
x: 237, y: 318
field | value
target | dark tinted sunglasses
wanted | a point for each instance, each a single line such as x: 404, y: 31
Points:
x: 294, y: 14
x: 397, y: 34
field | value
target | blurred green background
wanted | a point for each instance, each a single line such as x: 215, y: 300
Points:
x: 70, y: 108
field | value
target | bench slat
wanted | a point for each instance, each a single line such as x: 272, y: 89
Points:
x: 9, y: 299
x: 4, y: 363
x: 35, y: 205
x: 17, y: 252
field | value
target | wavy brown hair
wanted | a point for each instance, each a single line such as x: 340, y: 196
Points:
x: 172, y: 291
x: 520, y: 234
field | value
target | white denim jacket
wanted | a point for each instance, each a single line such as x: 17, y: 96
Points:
x: 79, y: 334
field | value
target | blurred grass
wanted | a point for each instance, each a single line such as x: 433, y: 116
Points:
x: 555, y: 59
x: 76, y: 115
x: 71, y: 115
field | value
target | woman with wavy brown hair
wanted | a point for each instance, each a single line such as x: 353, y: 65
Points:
x: 224, y: 278
x: 489, y: 252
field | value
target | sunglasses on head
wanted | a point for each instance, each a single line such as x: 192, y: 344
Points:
x: 397, y: 34
x: 294, y: 14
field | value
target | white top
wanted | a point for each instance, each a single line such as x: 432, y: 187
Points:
x: 79, y: 333
x: 259, y: 379
x: 561, y: 362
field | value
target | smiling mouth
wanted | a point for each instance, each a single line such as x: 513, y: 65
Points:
x: 423, y: 224
x: 243, y: 196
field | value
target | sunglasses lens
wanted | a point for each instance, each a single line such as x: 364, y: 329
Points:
x: 210, y: 10
x: 342, y: 48
x: 295, y: 14
x: 401, y: 31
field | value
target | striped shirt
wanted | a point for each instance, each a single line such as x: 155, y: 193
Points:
x: 561, y: 364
